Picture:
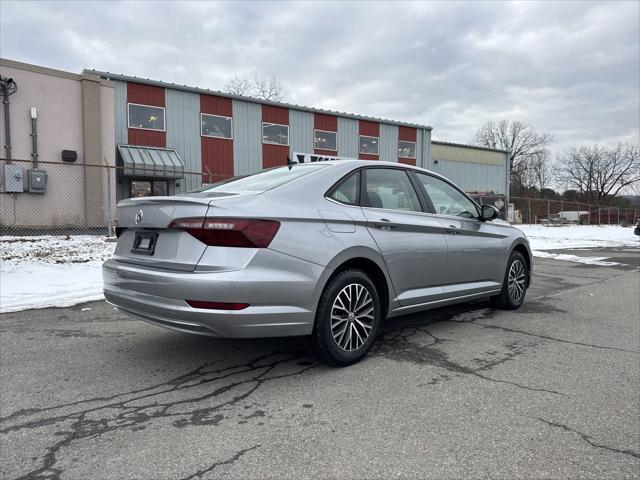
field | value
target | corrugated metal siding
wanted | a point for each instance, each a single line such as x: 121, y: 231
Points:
x: 455, y: 153
x: 247, y: 137
x: 473, y: 177
x: 183, y: 134
x: 300, y: 132
x: 120, y: 110
x: 217, y: 153
x: 347, y: 137
x: 420, y: 149
x: 146, y: 95
x: 425, y: 140
x: 388, y: 143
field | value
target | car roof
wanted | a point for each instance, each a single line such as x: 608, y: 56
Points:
x: 369, y: 163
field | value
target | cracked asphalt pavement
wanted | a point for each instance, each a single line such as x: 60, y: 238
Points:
x: 548, y: 391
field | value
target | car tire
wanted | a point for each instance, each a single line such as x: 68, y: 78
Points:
x: 514, y: 285
x: 344, y: 317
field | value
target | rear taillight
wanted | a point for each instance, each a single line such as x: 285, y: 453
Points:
x: 229, y: 232
x: 217, y: 305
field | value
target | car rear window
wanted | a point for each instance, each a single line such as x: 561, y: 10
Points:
x: 262, y: 181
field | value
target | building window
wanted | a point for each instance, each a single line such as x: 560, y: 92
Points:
x: 368, y: 145
x: 216, y: 126
x: 406, y: 149
x: 324, y: 140
x: 146, y: 117
x: 275, y: 134
x: 148, y: 188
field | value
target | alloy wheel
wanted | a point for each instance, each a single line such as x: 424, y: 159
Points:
x: 352, y: 317
x: 517, y: 280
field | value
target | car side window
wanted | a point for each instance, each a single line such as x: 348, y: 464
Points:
x: 347, y: 191
x: 446, y: 199
x: 389, y: 188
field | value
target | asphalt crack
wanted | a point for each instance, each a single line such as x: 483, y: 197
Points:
x: 398, y: 346
x: 546, y: 337
x: 134, y: 409
x: 588, y: 439
x: 232, y: 460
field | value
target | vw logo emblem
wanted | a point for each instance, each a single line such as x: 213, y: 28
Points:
x: 139, y: 216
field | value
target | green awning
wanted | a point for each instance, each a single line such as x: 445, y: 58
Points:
x: 150, y: 162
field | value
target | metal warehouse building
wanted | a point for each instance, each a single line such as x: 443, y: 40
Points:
x: 169, y: 138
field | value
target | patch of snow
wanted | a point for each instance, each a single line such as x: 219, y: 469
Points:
x: 600, y: 261
x: 542, y: 237
x: 51, y: 271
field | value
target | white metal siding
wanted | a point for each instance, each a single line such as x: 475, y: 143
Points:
x: 473, y: 177
x: 120, y: 109
x: 347, y: 137
x: 247, y: 141
x: 183, y: 133
x: 424, y: 142
x: 388, y: 143
x: 300, y: 131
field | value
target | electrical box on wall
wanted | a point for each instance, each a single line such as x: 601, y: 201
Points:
x: 37, y: 180
x: 13, y: 181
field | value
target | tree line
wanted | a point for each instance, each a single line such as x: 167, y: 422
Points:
x: 586, y: 173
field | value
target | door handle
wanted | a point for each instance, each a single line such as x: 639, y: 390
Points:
x: 384, y: 226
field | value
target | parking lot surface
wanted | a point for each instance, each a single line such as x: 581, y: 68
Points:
x: 548, y: 391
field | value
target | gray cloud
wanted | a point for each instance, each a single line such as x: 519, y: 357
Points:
x: 572, y: 69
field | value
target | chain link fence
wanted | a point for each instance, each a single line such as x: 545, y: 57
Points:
x: 75, y: 199
x: 81, y: 199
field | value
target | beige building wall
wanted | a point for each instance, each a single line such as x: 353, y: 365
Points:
x: 76, y: 192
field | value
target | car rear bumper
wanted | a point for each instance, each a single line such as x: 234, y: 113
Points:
x: 282, y: 292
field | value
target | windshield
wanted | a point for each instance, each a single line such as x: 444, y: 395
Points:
x: 261, y: 181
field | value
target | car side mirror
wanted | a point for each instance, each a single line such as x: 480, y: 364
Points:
x: 488, y: 212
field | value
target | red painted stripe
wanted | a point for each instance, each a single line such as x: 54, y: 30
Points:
x: 146, y: 95
x: 274, y: 155
x: 328, y: 123
x: 325, y: 122
x: 273, y: 114
x: 147, y: 138
x: 408, y: 134
x: 217, y: 159
x: 216, y: 105
x: 319, y: 151
x: 370, y: 129
x: 216, y: 153
x: 407, y: 161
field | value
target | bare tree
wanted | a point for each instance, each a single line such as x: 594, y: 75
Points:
x: 238, y: 86
x: 539, y: 170
x: 266, y: 89
x: 522, y: 142
x: 597, y: 172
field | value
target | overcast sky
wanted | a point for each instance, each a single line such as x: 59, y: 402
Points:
x: 571, y: 69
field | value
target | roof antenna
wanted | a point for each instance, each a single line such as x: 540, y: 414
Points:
x: 290, y: 163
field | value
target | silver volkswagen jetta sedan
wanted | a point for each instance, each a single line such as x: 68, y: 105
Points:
x: 327, y: 250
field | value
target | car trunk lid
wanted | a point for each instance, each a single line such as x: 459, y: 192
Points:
x: 146, y: 239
